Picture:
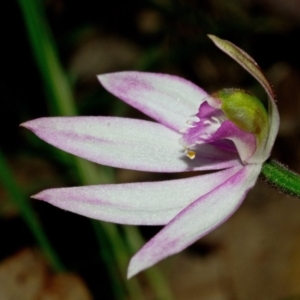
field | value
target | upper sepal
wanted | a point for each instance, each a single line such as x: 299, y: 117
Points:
x: 250, y: 65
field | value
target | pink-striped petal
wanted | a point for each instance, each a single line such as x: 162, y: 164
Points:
x: 145, y: 203
x: 168, y: 99
x: 127, y: 143
x: 201, y: 217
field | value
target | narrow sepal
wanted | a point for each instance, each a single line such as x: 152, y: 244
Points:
x: 142, y: 203
x: 198, y: 219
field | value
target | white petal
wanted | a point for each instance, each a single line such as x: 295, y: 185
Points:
x: 126, y: 143
x: 145, y: 203
x: 168, y: 99
x: 201, y: 217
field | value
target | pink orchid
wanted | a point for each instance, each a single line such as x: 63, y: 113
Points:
x: 229, y: 131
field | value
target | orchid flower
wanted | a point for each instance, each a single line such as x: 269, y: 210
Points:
x: 229, y: 131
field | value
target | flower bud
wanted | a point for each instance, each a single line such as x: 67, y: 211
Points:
x: 244, y: 110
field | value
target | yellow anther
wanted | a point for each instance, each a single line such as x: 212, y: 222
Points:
x: 190, y: 154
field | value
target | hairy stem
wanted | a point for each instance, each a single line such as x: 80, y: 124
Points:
x: 281, y: 178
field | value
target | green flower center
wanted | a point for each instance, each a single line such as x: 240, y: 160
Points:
x: 245, y: 111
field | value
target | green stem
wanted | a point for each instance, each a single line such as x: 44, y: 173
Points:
x: 28, y: 214
x: 46, y: 55
x: 88, y: 174
x: 281, y: 178
x: 62, y: 102
x: 109, y: 256
x: 121, y: 255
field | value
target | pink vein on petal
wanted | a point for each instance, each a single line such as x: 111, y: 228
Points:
x: 126, y: 143
x: 168, y: 99
x: 198, y: 219
x: 143, y: 203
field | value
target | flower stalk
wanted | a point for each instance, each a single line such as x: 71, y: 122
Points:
x: 281, y: 178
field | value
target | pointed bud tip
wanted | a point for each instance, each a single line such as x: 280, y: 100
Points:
x: 36, y: 196
x: 28, y: 125
x: 214, y: 38
x: 133, y: 268
x: 130, y: 272
x: 24, y: 124
x: 102, y: 78
x: 99, y: 76
x: 211, y: 36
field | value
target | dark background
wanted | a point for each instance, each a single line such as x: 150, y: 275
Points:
x: 96, y: 37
